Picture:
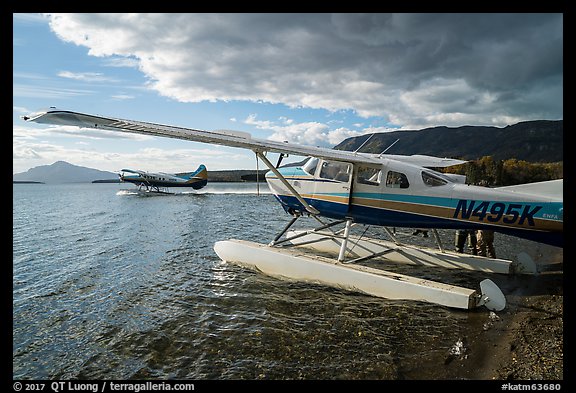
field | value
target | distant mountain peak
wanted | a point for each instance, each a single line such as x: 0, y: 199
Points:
x: 63, y: 172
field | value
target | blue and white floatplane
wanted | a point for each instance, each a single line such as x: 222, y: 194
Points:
x: 346, y: 188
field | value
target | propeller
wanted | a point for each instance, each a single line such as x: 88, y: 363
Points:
x: 492, y: 297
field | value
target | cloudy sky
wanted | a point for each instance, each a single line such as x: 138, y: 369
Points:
x: 314, y: 79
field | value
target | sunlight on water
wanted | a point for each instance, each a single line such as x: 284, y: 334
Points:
x: 211, y: 188
x: 234, y: 188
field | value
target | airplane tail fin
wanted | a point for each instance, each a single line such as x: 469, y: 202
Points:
x: 200, y: 173
x: 198, y: 178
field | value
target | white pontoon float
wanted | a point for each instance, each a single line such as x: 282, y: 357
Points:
x: 289, y: 258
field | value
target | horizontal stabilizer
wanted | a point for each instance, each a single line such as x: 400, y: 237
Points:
x: 553, y: 189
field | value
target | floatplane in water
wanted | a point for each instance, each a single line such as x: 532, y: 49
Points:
x: 160, y: 182
x: 343, y: 188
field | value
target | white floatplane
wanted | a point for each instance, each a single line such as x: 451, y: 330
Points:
x: 352, y: 188
x: 160, y: 182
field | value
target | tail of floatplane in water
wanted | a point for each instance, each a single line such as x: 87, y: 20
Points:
x: 196, y: 179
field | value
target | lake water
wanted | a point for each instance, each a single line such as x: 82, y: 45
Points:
x: 108, y: 284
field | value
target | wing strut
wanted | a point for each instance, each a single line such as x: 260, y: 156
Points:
x: 309, y: 208
x: 388, y: 148
x: 257, y: 177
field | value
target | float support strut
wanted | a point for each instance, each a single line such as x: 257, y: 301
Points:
x: 342, y: 253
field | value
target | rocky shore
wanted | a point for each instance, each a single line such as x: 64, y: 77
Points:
x: 532, y: 342
x: 523, y: 342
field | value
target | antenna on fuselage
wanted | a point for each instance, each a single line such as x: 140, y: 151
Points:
x: 365, y: 142
x: 388, y: 148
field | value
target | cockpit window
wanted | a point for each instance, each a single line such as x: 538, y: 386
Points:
x: 310, y: 166
x: 432, y: 180
x: 396, y: 180
x: 333, y: 170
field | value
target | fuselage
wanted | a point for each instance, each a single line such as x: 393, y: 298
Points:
x: 196, y: 180
x: 405, y: 195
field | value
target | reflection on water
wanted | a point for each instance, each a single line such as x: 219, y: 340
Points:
x: 110, y: 285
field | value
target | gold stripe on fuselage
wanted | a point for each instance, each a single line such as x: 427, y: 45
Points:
x: 448, y: 213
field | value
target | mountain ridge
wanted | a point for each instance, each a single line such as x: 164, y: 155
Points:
x: 63, y: 172
x: 532, y: 141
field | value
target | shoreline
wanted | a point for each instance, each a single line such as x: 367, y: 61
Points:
x: 532, y: 346
x: 525, y: 341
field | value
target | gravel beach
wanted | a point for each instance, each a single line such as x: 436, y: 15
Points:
x: 526, y: 340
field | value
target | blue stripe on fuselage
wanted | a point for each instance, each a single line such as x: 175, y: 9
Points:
x: 387, y: 217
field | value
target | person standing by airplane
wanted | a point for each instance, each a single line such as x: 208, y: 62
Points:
x: 485, y: 243
x: 485, y: 237
x: 461, y: 236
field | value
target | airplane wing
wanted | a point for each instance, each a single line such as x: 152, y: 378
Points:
x: 426, y: 161
x: 225, y: 138
x: 133, y: 171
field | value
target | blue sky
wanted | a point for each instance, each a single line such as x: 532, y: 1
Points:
x: 314, y: 79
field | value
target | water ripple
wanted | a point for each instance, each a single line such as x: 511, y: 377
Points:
x: 110, y: 285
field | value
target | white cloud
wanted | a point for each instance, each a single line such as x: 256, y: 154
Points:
x: 19, y: 109
x: 121, y: 62
x: 306, y: 133
x: 29, y: 18
x: 123, y: 96
x: 413, y: 69
x: 86, y: 76
x: 37, y: 91
x: 29, y: 151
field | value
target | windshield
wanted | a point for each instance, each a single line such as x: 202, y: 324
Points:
x: 310, y: 166
x: 433, y: 179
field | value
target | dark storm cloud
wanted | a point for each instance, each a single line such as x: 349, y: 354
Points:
x: 414, y: 69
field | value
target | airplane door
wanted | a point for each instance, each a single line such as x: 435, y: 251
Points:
x: 332, y: 187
